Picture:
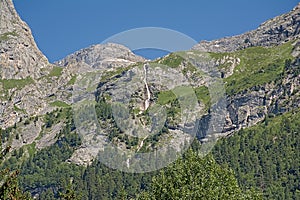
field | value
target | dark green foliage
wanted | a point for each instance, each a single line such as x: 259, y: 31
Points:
x: 266, y: 156
x: 9, y: 187
x: 5, y: 134
x: 193, y: 177
x: 47, y: 168
x: 48, y: 174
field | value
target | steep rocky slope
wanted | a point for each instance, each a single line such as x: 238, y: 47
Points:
x: 20, y: 57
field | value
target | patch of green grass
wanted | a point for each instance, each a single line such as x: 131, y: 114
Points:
x: 165, y: 97
x: 5, y: 36
x: 72, y: 80
x: 16, y: 83
x: 172, y: 60
x: 259, y: 65
x: 203, y: 95
x: 31, y: 148
x: 56, y: 71
x: 59, y: 104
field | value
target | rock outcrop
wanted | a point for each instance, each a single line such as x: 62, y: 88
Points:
x: 255, y: 104
x: 276, y: 31
x: 19, y: 54
x: 102, y: 57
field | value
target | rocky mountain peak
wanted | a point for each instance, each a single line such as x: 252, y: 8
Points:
x: 102, y: 56
x: 273, y: 32
x: 19, y: 54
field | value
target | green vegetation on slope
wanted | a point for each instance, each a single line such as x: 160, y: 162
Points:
x: 194, y: 177
x: 259, y: 65
x: 72, y: 80
x: 203, y: 95
x: 56, y: 71
x: 266, y: 156
x: 9, y: 186
x: 109, y: 75
x: 172, y: 60
x: 5, y: 36
x: 59, y: 104
x: 165, y: 97
x: 16, y: 83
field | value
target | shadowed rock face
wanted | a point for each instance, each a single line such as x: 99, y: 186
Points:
x: 272, y: 32
x: 19, y: 55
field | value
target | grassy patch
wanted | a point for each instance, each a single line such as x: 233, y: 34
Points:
x: 203, y: 95
x: 5, y: 36
x: 165, y: 97
x: 172, y: 60
x: 59, y: 104
x: 72, y: 80
x: 56, y: 71
x: 31, y: 148
x: 16, y: 83
x: 259, y: 65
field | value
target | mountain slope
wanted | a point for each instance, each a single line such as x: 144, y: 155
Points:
x: 266, y: 156
x: 273, y: 32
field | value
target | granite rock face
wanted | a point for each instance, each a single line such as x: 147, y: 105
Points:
x: 19, y: 54
x: 275, y: 31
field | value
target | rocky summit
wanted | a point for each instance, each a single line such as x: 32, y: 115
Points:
x: 102, y: 56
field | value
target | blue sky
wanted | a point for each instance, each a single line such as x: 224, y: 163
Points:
x: 61, y: 27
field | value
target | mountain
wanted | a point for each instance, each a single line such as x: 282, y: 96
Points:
x: 258, y: 72
x: 102, y: 55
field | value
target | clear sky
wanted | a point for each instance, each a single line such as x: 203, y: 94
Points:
x: 61, y: 27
